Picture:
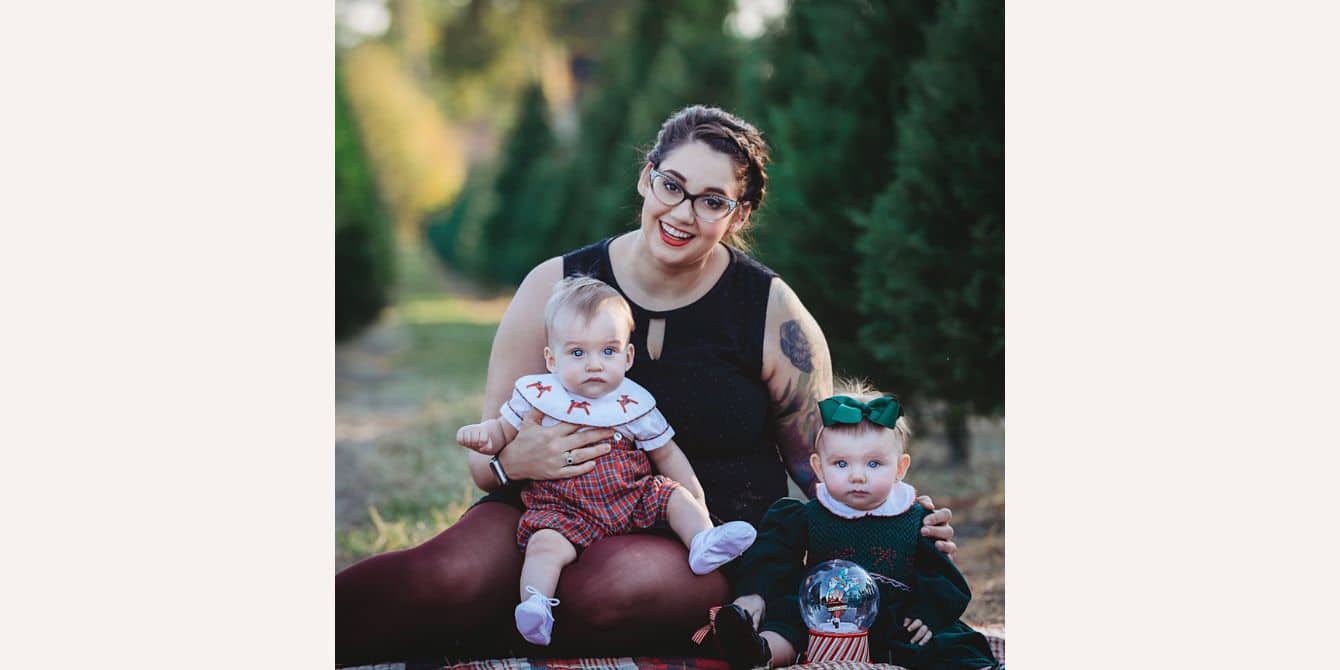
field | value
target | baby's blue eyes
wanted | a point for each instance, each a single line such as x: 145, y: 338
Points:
x: 872, y: 464
x: 607, y: 351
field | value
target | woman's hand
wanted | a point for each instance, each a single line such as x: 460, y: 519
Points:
x: 936, y: 525
x: 554, y: 452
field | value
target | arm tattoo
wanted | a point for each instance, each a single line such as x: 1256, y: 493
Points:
x: 797, y: 413
x: 797, y: 347
x: 797, y: 423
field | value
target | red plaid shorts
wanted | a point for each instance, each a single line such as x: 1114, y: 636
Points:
x: 618, y: 496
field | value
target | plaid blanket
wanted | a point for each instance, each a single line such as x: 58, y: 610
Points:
x: 996, y: 637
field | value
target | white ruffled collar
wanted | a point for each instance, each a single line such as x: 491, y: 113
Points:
x: 622, y: 405
x: 901, y: 498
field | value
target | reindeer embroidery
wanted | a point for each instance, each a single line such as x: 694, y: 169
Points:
x: 885, y: 556
x: 585, y: 406
x: 625, y: 401
x: 540, y: 389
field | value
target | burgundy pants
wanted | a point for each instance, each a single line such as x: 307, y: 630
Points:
x: 455, y: 595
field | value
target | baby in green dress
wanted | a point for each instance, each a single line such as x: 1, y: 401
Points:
x: 863, y: 512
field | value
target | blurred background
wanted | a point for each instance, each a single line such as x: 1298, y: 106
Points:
x: 475, y: 138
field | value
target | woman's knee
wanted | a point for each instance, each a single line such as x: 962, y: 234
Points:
x: 635, y: 580
x: 467, y: 563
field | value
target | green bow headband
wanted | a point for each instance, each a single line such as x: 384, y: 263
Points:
x: 883, y: 411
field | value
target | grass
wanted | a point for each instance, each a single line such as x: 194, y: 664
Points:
x: 405, y: 386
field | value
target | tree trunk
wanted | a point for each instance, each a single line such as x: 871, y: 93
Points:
x: 956, y: 434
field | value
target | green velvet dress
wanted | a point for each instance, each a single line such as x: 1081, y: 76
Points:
x: 915, y: 581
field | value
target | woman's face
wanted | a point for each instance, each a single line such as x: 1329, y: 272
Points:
x: 674, y: 233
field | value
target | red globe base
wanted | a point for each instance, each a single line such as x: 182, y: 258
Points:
x: 838, y: 647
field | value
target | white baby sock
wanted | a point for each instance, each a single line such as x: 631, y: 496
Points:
x: 718, y: 546
x: 535, y: 617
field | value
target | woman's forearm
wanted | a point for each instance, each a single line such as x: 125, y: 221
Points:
x: 516, y: 351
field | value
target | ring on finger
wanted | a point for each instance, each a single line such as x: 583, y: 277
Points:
x: 567, y: 457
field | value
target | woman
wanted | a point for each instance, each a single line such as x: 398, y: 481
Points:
x: 735, y: 362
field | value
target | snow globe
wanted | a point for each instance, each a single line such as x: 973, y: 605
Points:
x: 839, y: 602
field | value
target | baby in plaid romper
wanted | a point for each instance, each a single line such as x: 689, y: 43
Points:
x: 588, y: 325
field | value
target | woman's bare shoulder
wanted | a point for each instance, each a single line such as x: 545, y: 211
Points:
x: 518, y: 344
x: 538, y: 285
x: 546, y: 273
x: 519, y: 340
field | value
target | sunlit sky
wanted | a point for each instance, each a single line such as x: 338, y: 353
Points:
x: 750, y: 16
x: 362, y: 19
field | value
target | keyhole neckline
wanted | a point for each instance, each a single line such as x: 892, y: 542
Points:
x: 731, y: 262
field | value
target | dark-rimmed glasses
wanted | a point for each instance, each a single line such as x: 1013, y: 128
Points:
x: 708, y: 207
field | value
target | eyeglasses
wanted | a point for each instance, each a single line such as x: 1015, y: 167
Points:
x: 708, y: 207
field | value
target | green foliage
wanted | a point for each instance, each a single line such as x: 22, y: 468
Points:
x: 490, y: 233
x: 543, y: 196
x: 597, y: 193
x: 364, y: 260
x: 520, y: 192
x: 678, y: 55
x: 933, y: 251
x: 417, y: 158
x: 831, y: 103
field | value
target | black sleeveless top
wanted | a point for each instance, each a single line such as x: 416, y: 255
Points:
x: 709, y: 381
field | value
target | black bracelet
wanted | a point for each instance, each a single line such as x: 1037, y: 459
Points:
x: 496, y: 466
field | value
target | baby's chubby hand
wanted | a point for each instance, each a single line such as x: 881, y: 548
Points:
x: 921, y: 633
x: 475, y: 436
x: 753, y: 605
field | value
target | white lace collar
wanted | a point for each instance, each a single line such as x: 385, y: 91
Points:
x: 624, y: 404
x: 901, y: 498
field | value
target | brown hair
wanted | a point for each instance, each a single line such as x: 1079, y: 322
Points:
x: 859, y: 389
x: 728, y: 134
x: 585, y: 296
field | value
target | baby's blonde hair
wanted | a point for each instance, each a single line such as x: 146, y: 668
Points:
x: 860, y: 389
x: 585, y: 296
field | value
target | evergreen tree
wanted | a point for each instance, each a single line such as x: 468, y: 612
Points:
x: 517, y: 191
x: 933, y: 253
x: 696, y: 63
x: 364, y: 269
x: 835, y: 88
x: 670, y: 56
x: 456, y: 232
x: 599, y: 190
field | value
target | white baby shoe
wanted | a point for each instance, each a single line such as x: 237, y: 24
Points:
x: 718, y: 546
x: 535, y: 617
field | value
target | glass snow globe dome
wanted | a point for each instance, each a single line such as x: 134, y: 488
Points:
x: 839, y: 597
